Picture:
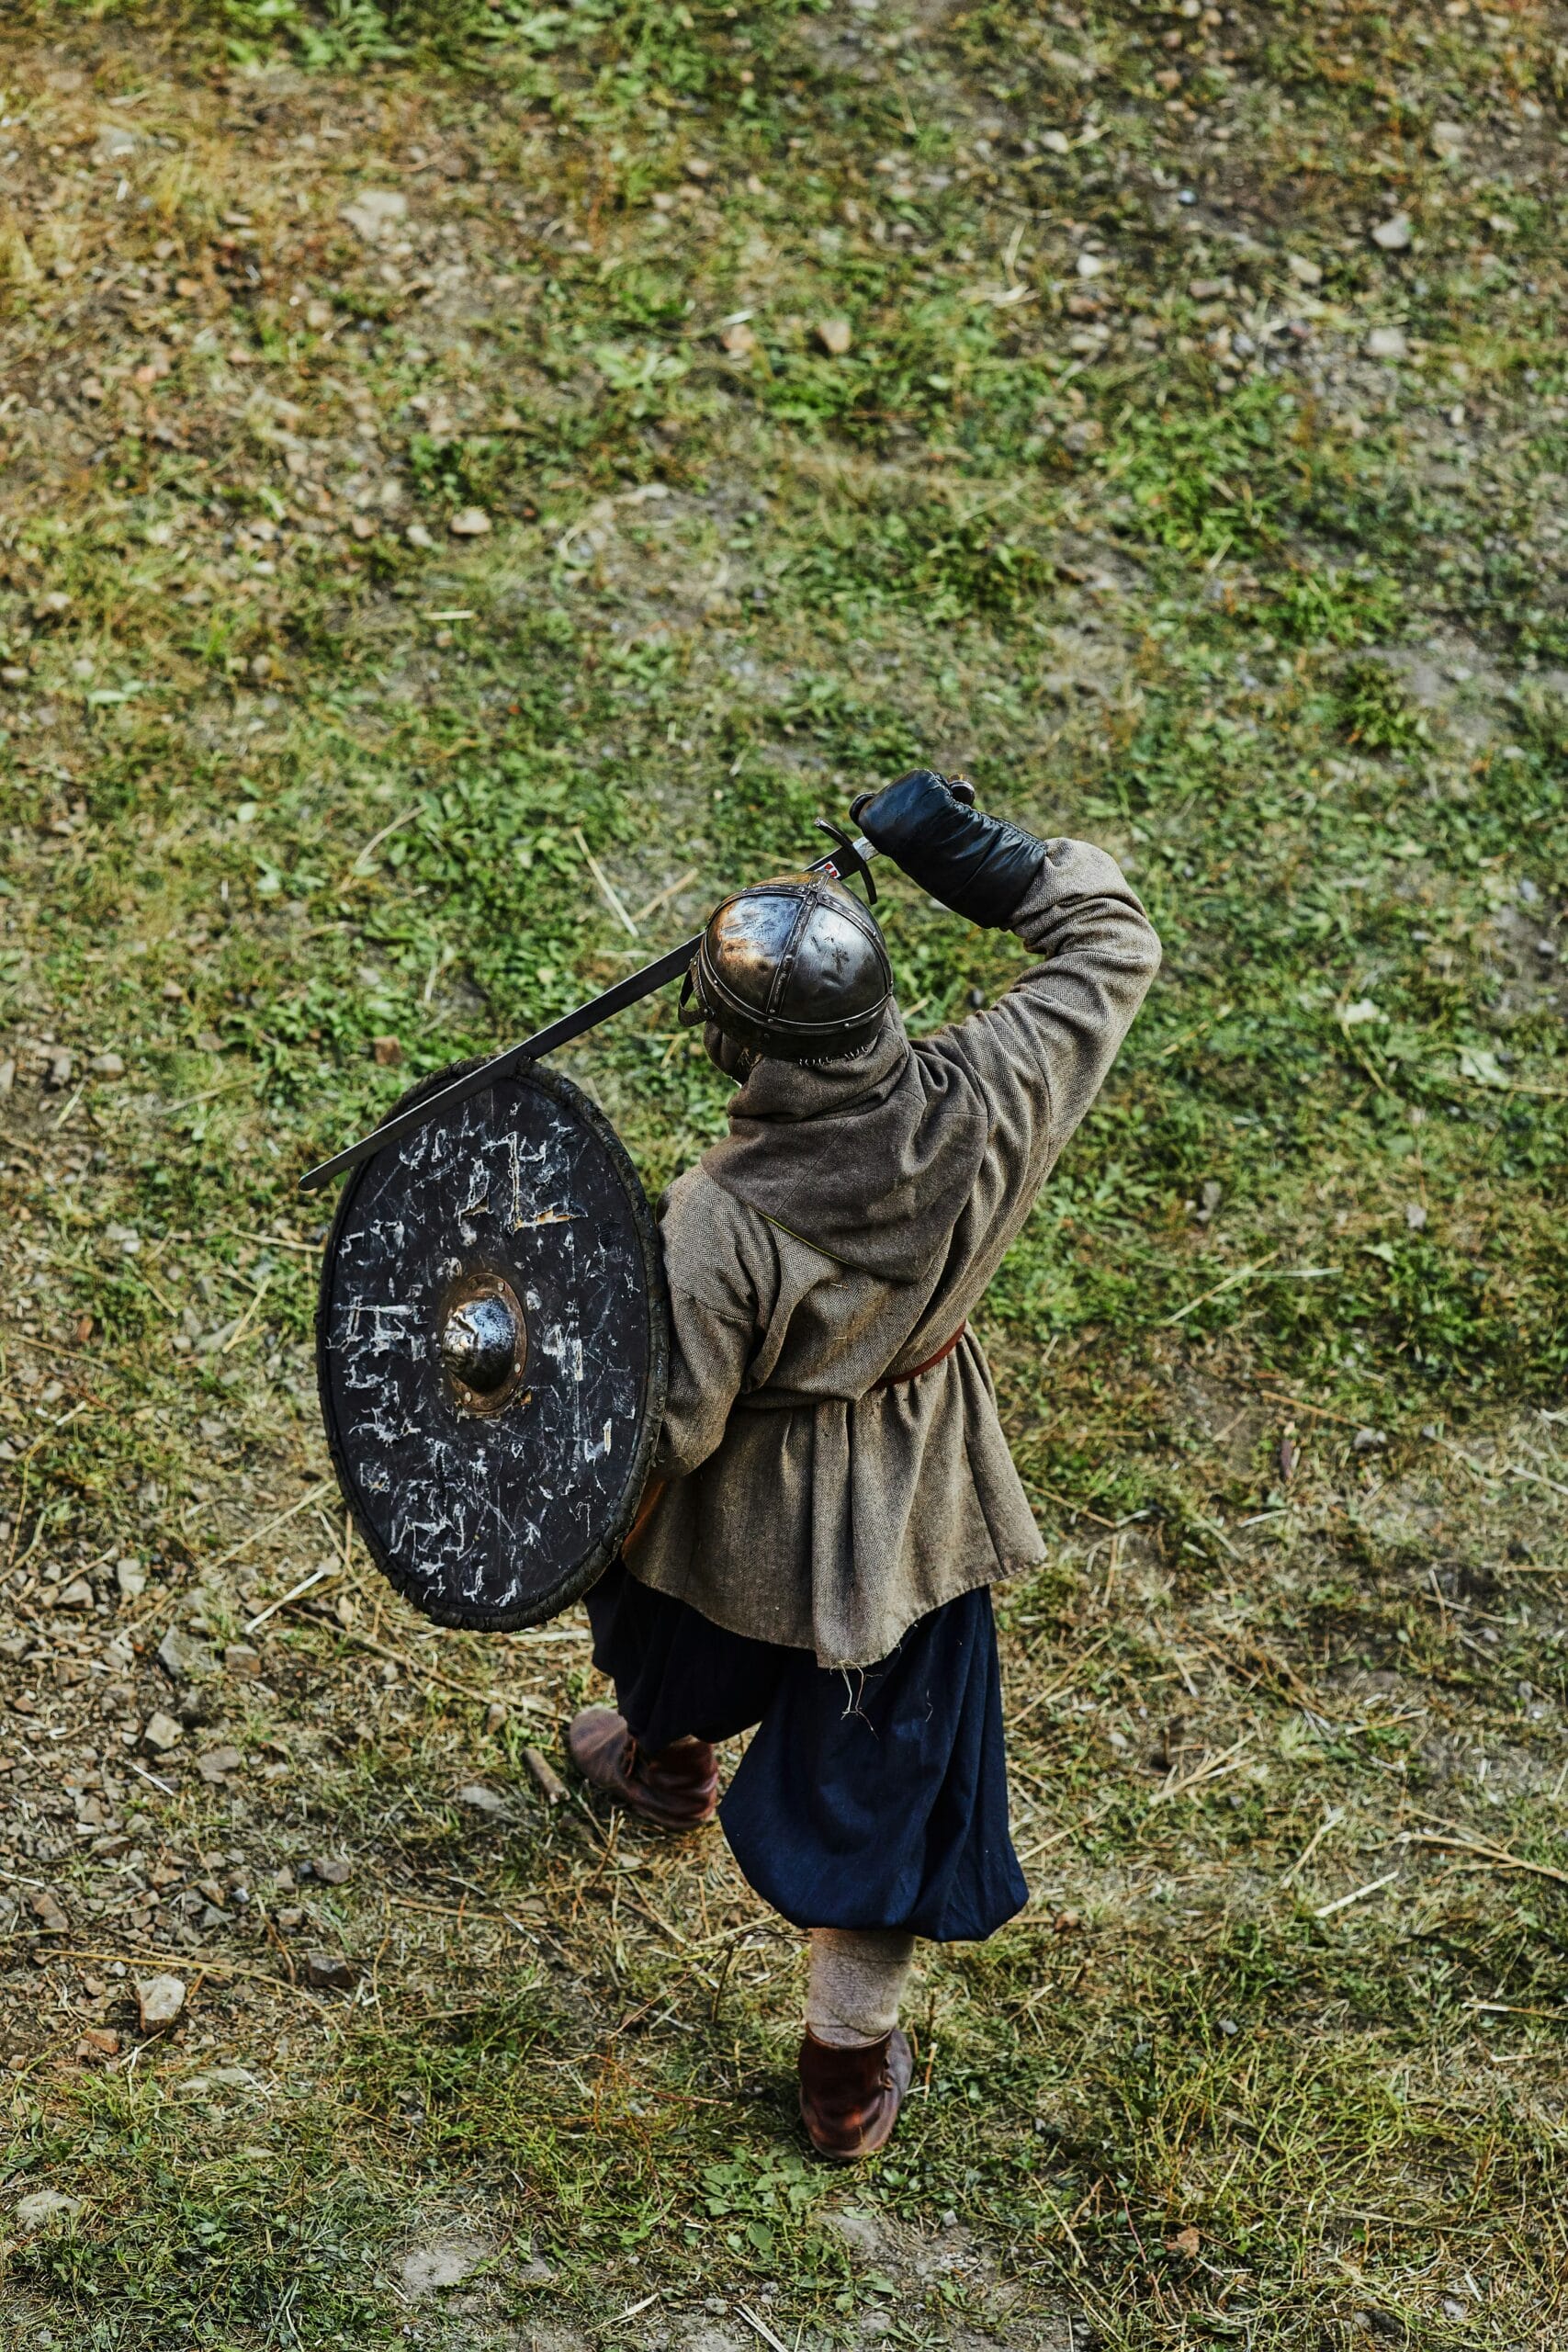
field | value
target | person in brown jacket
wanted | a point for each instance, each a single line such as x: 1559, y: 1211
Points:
x: 832, y: 1495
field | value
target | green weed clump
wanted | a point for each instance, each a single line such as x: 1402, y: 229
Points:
x: 1377, y: 713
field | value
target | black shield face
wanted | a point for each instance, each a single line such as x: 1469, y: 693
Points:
x: 491, y: 1345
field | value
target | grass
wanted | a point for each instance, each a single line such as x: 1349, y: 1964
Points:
x: 1125, y: 495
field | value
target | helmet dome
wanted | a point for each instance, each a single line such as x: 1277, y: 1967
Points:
x: 792, y: 969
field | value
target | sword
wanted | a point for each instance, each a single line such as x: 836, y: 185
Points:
x: 850, y: 855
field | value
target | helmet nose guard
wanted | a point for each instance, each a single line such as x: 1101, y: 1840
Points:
x: 794, y: 969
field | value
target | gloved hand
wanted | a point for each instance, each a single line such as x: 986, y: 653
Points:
x: 978, y: 866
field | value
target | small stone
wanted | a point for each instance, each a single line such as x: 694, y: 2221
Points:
x: 387, y: 1052
x: 1093, y: 264
x: 418, y: 537
x: 1086, y: 434
x: 1415, y: 1216
x: 242, y: 1661
x: 331, y: 1871
x: 469, y: 523
x: 835, y: 335
x: 181, y: 1656
x: 363, y: 526
x: 44, y: 2206
x: 1395, y: 235
x: 131, y: 1578
x: 159, y: 2000
x: 1185, y: 2242
x: 479, y: 1799
x: 738, y: 339
x: 1306, y: 273
x: 330, y: 1972
x: 291, y: 1919
x: 161, y: 1733
x: 1387, y: 342
x: 47, y: 1910
x: 1447, y: 139
x: 107, y: 1066
x: 61, y: 1065
x: 375, y: 210
x: 98, y: 2041
x: 1368, y: 1440
x: 77, y: 1594
x: 217, y: 1763
x: 698, y: 168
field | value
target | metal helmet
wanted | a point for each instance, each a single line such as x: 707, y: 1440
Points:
x: 793, y: 970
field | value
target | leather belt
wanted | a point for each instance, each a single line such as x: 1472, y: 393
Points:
x: 796, y: 1400
x: 897, y: 1379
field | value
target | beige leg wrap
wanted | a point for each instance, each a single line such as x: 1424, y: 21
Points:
x: 857, y: 1979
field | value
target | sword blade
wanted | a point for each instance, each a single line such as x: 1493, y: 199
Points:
x: 648, y: 981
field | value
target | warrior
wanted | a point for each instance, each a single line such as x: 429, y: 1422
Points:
x: 832, y: 1495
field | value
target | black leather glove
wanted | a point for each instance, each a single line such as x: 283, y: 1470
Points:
x: 976, y: 865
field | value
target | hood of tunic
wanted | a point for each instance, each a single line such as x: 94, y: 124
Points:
x: 873, y: 1160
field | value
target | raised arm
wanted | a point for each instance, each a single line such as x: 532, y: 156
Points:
x: 1040, y: 1055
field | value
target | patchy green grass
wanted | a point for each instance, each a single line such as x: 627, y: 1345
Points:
x: 1018, y: 390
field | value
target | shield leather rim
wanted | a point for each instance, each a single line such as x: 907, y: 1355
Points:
x: 586, y: 1571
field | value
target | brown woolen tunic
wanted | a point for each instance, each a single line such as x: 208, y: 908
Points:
x: 803, y: 1502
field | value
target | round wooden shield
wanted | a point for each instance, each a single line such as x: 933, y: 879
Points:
x: 491, y: 1350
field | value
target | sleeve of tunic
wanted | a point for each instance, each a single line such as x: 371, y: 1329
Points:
x: 716, y: 1277
x: 1040, y: 1054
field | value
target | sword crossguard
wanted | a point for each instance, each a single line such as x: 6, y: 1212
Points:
x: 848, y: 863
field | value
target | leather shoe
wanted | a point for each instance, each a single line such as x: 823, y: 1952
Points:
x: 849, y: 2098
x: 675, y: 1787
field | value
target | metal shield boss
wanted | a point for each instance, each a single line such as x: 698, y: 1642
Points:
x: 491, y: 1349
